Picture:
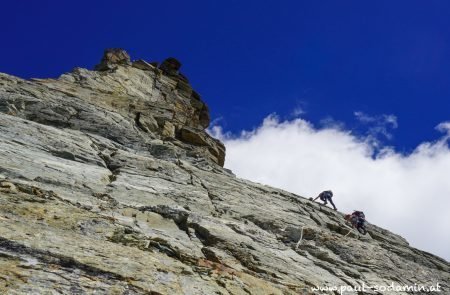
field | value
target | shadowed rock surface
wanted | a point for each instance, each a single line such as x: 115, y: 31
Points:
x: 109, y: 184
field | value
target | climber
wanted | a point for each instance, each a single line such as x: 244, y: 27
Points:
x: 326, y: 196
x: 357, y: 219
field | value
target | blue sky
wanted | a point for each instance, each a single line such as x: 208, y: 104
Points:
x: 252, y: 58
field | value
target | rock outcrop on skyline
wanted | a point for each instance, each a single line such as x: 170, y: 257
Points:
x: 110, y: 184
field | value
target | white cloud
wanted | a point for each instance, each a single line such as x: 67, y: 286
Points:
x: 380, y: 119
x: 378, y: 125
x: 392, y: 120
x: 407, y: 194
x: 444, y: 128
x: 298, y: 111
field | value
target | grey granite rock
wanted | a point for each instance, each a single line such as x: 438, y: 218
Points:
x: 109, y: 184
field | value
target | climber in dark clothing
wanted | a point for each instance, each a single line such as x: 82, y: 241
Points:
x: 358, y: 218
x: 326, y: 196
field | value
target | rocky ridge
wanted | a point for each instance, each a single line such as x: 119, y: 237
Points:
x: 109, y: 184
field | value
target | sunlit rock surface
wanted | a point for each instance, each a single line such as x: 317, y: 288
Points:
x: 109, y: 184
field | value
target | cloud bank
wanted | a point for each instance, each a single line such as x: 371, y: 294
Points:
x: 407, y: 194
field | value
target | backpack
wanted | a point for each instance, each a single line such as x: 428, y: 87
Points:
x: 359, y: 214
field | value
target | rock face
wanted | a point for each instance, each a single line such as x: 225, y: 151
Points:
x: 137, y: 106
x: 109, y: 184
x: 113, y: 57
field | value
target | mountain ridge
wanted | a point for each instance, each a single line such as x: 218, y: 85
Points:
x: 109, y: 183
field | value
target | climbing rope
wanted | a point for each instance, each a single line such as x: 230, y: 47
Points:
x: 300, y: 240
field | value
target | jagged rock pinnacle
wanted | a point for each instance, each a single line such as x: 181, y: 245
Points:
x: 113, y: 57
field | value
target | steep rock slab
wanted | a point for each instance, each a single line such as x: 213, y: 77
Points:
x: 109, y: 183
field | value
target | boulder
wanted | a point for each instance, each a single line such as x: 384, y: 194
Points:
x: 170, y: 66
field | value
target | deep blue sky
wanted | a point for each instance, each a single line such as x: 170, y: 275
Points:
x: 252, y: 58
